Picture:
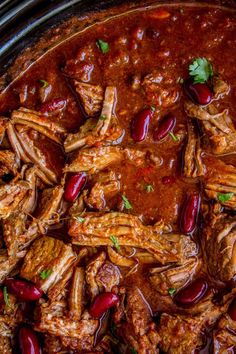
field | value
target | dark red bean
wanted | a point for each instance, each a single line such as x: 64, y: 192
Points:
x: 190, y: 212
x: 23, y: 290
x: 192, y: 294
x: 102, y: 303
x: 74, y: 186
x: 140, y: 124
x: 54, y: 105
x: 232, y: 310
x: 28, y: 341
x: 1, y: 295
x: 166, y: 125
x: 199, y: 93
x: 168, y: 180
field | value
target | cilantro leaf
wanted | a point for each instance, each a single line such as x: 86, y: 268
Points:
x: 171, y: 291
x: 45, y: 273
x: 102, y: 117
x: 133, y: 351
x: 115, y: 242
x: 149, y: 188
x: 79, y: 219
x: 6, y: 296
x: 44, y: 83
x: 201, y: 70
x: 224, y: 197
x: 173, y: 136
x: 126, y: 201
x: 103, y: 46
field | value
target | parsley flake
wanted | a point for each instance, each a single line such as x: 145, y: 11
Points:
x: 224, y: 197
x: 102, y: 117
x: 133, y: 351
x: 115, y: 242
x: 6, y: 296
x: 171, y: 291
x: 201, y: 70
x: 149, y: 188
x: 103, y: 46
x: 44, y: 83
x: 126, y: 201
x: 45, y: 273
x: 79, y: 219
x: 173, y: 136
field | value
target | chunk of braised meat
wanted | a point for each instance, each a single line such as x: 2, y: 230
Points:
x: 9, y: 164
x: 174, y: 277
x: 193, y: 164
x: 107, y: 185
x: 224, y: 338
x: 39, y: 122
x: 11, y: 315
x: 220, y: 184
x: 50, y: 255
x: 161, y: 89
x: 101, y: 275
x: 9, y: 263
x: 97, y: 228
x: 19, y: 230
x: 3, y: 127
x: 12, y: 196
x: 103, y: 130
x: 219, y: 245
x: 91, y: 97
x: 218, y: 126
x: 95, y: 159
x: 134, y: 324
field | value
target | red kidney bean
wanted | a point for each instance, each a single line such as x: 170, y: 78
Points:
x: 166, y: 125
x: 199, y: 93
x: 54, y: 105
x: 190, y: 212
x: 102, y: 303
x: 28, y: 341
x: 23, y: 290
x: 168, y: 180
x: 232, y: 310
x: 192, y: 294
x: 140, y: 124
x: 1, y: 295
x: 74, y: 185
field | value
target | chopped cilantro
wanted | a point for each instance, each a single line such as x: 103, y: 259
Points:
x: 171, y: 291
x: 115, y: 242
x: 149, y: 188
x: 224, y: 197
x: 126, y: 201
x: 6, y: 296
x: 153, y: 108
x: 133, y: 351
x: 103, y: 46
x: 173, y: 136
x: 79, y: 219
x: 44, y: 83
x: 45, y: 273
x: 102, y: 117
x: 201, y: 70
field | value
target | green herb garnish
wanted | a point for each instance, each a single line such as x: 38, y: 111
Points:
x: 102, y: 117
x: 115, y: 242
x: 45, y: 273
x: 224, y: 197
x: 153, y: 108
x: 103, y: 46
x: 79, y: 219
x: 6, y: 296
x: 173, y: 136
x: 44, y: 83
x: 126, y: 201
x: 133, y: 351
x: 201, y: 70
x: 149, y: 188
x: 171, y: 291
